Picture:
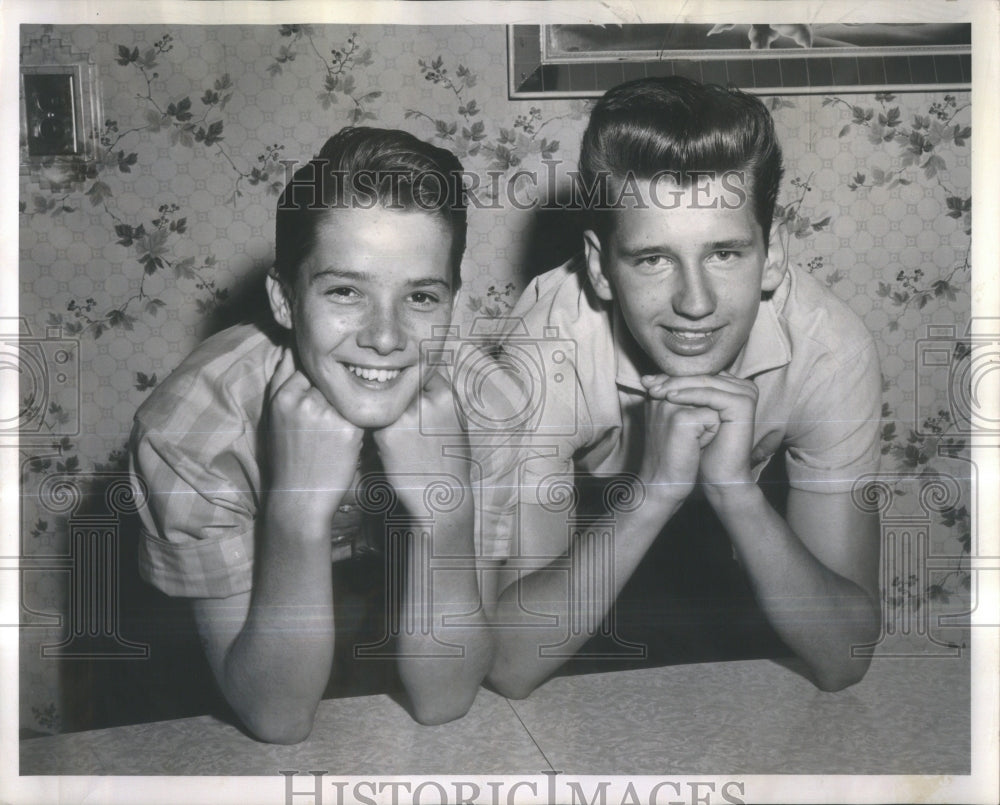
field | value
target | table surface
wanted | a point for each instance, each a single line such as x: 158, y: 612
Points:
x: 908, y: 716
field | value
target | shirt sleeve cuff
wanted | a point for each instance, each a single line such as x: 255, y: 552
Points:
x: 831, y: 482
x: 214, y: 568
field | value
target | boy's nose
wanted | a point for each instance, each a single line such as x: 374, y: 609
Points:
x: 383, y: 331
x: 694, y: 298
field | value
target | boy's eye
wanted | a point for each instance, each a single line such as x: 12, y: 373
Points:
x: 424, y: 299
x: 342, y: 294
x: 653, y: 261
x: 724, y: 256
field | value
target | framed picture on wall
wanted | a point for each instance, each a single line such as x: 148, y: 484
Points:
x: 582, y: 61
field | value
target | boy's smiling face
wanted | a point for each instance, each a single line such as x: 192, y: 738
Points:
x: 370, y: 291
x: 686, y: 271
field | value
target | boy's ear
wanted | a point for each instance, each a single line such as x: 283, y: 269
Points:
x: 775, y: 264
x: 278, y: 296
x: 595, y: 271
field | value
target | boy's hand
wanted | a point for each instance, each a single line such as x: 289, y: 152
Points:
x: 414, y: 457
x: 313, y: 450
x: 725, y: 457
x: 675, y: 437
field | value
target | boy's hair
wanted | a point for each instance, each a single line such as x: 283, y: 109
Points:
x: 651, y: 125
x: 362, y: 167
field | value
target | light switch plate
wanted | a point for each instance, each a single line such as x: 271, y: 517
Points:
x: 52, y: 112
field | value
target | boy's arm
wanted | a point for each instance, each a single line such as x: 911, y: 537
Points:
x: 815, y: 575
x: 271, y: 649
x: 443, y: 688
x: 428, y: 467
x: 562, y: 604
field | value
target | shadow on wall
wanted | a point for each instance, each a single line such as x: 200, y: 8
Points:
x: 106, y: 688
x: 552, y: 236
x: 247, y: 303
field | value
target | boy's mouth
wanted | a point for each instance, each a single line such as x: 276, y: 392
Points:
x: 690, y: 341
x: 373, y: 375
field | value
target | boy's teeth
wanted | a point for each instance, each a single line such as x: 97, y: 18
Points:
x: 689, y: 334
x: 378, y: 375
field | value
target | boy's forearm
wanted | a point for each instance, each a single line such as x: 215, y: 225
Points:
x: 600, y: 567
x: 441, y: 584
x: 276, y: 670
x: 818, y: 613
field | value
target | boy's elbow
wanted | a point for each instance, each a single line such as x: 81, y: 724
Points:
x: 283, y: 729
x: 843, y: 676
x: 845, y: 669
x: 440, y: 710
x: 510, y: 686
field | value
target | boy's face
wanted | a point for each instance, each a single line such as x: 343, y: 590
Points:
x: 686, y: 269
x: 373, y: 287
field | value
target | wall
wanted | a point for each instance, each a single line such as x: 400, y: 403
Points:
x: 137, y: 257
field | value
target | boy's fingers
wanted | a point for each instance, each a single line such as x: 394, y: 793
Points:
x: 284, y: 370
x: 648, y: 381
x: 724, y: 401
x: 286, y: 375
x: 657, y: 392
x: 728, y: 384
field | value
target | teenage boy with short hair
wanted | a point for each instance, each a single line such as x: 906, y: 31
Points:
x: 699, y: 356
x: 254, y: 449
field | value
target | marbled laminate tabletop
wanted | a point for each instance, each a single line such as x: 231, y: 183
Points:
x: 908, y: 716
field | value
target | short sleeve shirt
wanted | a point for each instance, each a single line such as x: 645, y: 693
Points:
x: 814, y: 364
x: 195, y: 450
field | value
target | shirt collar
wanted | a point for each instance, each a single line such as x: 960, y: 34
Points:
x: 767, y: 347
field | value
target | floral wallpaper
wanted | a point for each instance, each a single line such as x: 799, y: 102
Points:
x: 131, y: 258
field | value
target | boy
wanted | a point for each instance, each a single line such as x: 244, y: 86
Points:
x: 699, y: 355
x: 256, y: 450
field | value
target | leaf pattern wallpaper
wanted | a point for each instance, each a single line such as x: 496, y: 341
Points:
x: 134, y: 256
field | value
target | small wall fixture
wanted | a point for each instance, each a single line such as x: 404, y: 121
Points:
x: 52, y: 111
x: 60, y: 102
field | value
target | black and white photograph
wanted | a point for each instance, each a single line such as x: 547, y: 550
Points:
x: 500, y: 402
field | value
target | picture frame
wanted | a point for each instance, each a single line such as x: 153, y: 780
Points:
x: 583, y: 61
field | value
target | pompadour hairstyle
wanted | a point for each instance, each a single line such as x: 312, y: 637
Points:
x: 363, y: 167
x: 651, y: 125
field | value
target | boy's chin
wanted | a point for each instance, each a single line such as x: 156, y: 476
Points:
x: 367, y: 419
x: 682, y: 367
x: 369, y: 409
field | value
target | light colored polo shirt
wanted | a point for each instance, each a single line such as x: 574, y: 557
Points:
x: 814, y: 363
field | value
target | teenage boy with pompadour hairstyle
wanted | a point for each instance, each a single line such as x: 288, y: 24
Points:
x: 254, y: 448
x: 700, y: 356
